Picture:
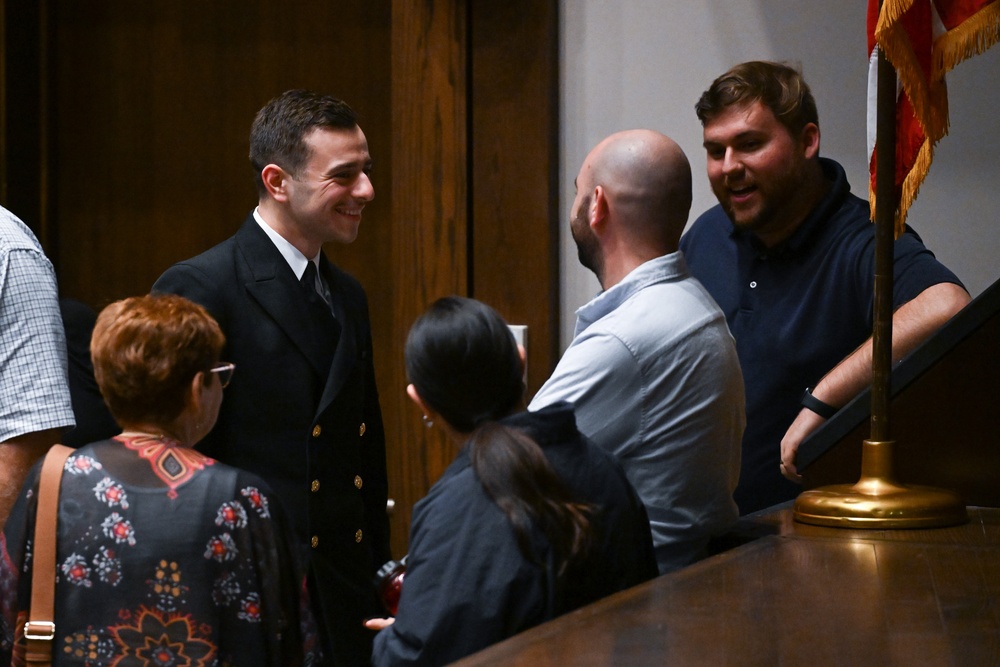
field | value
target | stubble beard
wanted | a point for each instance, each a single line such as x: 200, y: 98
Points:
x: 773, y: 200
x: 588, y: 250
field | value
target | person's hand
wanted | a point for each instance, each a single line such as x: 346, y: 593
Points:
x: 379, y: 623
x: 805, y: 423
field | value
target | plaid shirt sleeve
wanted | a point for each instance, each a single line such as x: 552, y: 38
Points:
x: 34, y: 386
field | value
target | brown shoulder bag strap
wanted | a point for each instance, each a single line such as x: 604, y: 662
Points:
x: 40, y: 630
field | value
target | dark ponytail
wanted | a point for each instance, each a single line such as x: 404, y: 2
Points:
x: 464, y: 363
x: 516, y: 475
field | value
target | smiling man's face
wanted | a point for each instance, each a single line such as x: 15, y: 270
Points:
x: 328, y: 194
x: 757, y: 169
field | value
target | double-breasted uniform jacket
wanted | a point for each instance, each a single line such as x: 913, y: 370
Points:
x: 302, y: 412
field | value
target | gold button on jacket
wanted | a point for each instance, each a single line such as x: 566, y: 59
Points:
x: 357, y: 481
x: 314, y: 487
x: 314, y: 541
x: 357, y: 536
x: 317, y: 429
x: 361, y: 429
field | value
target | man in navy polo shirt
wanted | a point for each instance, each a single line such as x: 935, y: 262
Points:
x: 789, y: 256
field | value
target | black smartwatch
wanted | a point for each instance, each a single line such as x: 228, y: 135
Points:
x: 824, y: 410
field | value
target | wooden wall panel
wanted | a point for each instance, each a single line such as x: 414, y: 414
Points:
x: 429, y: 216
x: 152, y: 105
x: 515, y: 194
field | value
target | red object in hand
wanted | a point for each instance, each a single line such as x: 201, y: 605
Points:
x: 390, y: 583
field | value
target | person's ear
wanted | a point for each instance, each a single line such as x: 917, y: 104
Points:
x: 275, y: 182
x: 195, y: 391
x: 810, y: 141
x: 598, y: 213
x: 523, y: 354
x: 411, y: 391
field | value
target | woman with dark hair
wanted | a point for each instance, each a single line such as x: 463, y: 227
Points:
x: 164, y: 556
x: 530, y: 521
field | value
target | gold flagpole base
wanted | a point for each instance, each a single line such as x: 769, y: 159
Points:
x: 877, y: 501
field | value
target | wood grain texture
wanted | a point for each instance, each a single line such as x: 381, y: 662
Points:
x: 515, y: 210
x: 799, y: 595
x: 429, y: 218
x: 152, y: 105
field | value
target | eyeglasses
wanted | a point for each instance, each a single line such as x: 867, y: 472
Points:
x: 225, y: 371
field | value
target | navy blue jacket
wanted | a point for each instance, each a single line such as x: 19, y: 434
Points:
x: 302, y: 412
x: 468, y: 585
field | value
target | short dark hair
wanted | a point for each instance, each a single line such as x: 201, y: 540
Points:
x: 279, y: 129
x: 777, y: 86
x: 146, y: 350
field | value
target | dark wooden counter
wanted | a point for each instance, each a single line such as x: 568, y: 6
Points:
x: 796, y: 595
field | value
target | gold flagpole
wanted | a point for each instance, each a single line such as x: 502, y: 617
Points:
x: 877, y: 500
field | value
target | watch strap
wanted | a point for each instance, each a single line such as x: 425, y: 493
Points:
x: 824, y: 410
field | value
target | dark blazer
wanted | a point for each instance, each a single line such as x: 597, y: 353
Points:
x: 302, y: 412
x: 93, y: 420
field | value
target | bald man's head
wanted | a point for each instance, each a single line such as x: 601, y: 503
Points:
x: 646, y: 179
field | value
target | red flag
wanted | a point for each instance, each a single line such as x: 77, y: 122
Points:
x: 923, y: 39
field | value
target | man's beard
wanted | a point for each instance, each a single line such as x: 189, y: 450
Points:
x: 588, y: 250
x: 775, y: 199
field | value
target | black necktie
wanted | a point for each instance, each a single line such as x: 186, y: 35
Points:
x: 309, y: 282
x: 308, y: 278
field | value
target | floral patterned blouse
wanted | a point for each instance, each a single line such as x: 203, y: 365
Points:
x: 165, y: 557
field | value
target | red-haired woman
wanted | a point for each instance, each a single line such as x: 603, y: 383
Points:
x: 164, y: 556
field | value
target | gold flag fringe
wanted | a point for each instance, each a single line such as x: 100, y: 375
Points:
x: 976, y: 34
x: 911, y: 187
x: 926, y: 95
x: 929, y: 98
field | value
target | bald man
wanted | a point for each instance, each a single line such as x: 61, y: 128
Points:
x: 652, y: 371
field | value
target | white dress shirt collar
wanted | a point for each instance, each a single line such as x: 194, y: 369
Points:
x: 296, y: 260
